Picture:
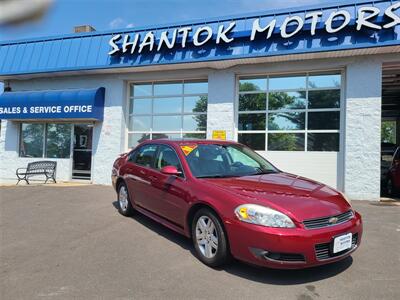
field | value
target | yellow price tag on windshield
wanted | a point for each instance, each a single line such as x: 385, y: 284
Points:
x: 187, y: 149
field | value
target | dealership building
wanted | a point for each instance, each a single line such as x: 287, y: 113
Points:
x: 308, y: 88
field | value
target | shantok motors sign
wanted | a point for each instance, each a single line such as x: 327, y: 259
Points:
x: 366, y: 17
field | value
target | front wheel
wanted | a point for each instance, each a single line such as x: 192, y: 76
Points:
x: 124, y: 204
x: 209, y: 238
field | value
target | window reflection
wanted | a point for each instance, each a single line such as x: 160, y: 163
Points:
x: 324, y: 81
x: 324, y: 99
x: 32, y: 140
x: 58, y: 140
x: 168, y: 89
x: 248, y: 102
x: 323, y: 141
x: 167, y: 105
x: 296, y: 106
x: 286, y: 121
x: 287, y: 83
x: 141, y: 106
x: 140, y: 90
x: 195, y: 88
x: 252, y: 121
x: 286, y: 141
x: 256, y: 141
x: 194, y: 122
x: 246, y: 85
x: 140, y: 123
x: 287, y: 100
x: 324, y: 120
x: 195, y: 104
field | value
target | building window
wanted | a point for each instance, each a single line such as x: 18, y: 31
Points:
x: 45, y: 140
x: 290, y: 113
x: 167, y: 110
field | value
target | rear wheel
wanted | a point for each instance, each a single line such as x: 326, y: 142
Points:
x: 209, y: 239
x: 124, y: 204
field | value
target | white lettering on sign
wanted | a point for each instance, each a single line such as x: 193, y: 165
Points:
x: 56, y: 109
x: 333, y: 16
x: 288, y: 20
x: 196, y: 38
x: 78, y: 109
x: 10, y: 110
x: 314, y: 20
x: 292, y: 25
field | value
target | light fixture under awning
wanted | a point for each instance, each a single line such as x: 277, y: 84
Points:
x: 84, y: 104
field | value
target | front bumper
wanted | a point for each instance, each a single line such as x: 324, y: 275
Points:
x: 279, y: 247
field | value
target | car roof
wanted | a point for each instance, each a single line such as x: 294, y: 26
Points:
x: 180, y: 142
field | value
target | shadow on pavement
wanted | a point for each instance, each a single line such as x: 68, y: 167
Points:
x: 250, y: 272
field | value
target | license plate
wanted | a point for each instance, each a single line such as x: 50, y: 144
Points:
x: 342, y: 243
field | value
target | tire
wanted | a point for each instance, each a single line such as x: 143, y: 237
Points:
x: 209, y: 239
x: 124, y: 204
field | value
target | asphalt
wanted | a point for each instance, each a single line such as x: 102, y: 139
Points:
x: 71, y: 243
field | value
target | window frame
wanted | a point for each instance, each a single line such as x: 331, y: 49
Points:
x: 306, y: 110
x: 181, y: 133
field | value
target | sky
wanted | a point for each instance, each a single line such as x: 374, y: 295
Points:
x: 63, y: 15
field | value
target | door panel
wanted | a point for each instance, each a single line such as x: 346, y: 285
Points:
x: 170, y: 191
x: 136, y: 173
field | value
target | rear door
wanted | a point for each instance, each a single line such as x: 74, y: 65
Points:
x: 137, y: 172
x: 171, y: 191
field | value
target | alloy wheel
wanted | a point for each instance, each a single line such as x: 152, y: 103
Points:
x: 123, y: 198
x: 206, y: 237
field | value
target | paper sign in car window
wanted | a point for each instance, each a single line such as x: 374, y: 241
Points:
x: 187, y: 149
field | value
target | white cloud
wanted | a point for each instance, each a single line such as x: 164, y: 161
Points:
x: 120, y: 23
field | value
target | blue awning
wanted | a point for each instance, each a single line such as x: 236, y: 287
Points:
x: 83, y: 104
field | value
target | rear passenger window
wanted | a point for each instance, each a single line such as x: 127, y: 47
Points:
x: 145, y: 155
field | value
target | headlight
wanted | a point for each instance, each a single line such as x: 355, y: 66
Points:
x: 261, y: 215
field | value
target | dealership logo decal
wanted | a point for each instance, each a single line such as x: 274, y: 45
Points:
x: 292, y: 25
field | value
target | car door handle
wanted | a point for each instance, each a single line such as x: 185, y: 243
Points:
x: 153, y: 178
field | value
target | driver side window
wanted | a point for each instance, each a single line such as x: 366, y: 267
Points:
x: 167, y: 157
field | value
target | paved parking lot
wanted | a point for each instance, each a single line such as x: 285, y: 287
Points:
x: 70, y: 242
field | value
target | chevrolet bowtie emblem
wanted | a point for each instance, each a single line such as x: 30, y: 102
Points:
x: 333, y: 220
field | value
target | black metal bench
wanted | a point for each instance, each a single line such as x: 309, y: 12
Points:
x: 46, y: 168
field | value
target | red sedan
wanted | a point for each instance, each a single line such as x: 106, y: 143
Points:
x: 393, y: 177
x: 232, y: 202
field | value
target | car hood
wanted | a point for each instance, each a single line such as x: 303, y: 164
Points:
x: 299, y: 197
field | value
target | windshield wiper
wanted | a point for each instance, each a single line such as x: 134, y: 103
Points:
x: 265, y: 172
x: 215, y: 176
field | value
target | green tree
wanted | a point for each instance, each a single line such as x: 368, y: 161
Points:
x: 388, y: 132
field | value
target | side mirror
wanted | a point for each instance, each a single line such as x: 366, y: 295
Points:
x: 170, y: 170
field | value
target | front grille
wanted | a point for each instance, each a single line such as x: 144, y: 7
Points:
x: 288, y: 257
x: 325, y: 222
x: 323, y: 251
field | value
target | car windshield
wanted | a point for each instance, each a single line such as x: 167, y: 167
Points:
x: 220, y: 161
